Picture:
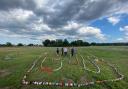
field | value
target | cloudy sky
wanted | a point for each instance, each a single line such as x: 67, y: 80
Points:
x: 31, y: 21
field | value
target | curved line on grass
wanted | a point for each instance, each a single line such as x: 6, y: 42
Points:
x: 97, y: 67
x: 43, y: 61
x: 121, y: 76
x: 59, y: 67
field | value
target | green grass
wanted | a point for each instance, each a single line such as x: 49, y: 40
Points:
x: 15, y: 61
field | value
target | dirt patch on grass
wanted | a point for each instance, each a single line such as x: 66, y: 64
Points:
x: 4, y: 73
x: 83, y: 79
x: 67, y: 80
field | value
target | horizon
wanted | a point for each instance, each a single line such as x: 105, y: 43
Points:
x: 34, y: 44
x: 30, y: 21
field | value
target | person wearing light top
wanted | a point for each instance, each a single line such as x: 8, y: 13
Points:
x: 65, y: 51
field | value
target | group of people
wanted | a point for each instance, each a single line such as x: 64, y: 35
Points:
x: 64, y: 51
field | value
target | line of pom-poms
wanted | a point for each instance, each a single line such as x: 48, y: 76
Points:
x: 68, y: 84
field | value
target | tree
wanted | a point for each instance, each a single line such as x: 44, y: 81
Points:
x: 65, y: 43
x: 20, y: 44
x: 86, y: 44
x: 53, y: 43
x: 59, y: 42
x: 30, y: 44
x: 46, y: 42
x: 73, y: 43
x: 9, y: 44
x: 79, y: 43
x: 93, y: 44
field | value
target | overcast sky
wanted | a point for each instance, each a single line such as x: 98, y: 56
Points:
x: 31, y: 21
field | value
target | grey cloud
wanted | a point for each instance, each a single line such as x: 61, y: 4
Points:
x: 80, y: 11
x: 93, y: 10
x: 56, y: 14
x: 12, y: 4
x: 66, y: 13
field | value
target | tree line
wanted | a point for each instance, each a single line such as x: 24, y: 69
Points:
x: 64, y: 43
x: 9, y: 44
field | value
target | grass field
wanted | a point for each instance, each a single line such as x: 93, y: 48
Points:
x: 15, y: 61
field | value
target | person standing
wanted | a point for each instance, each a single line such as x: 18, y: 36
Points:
x: 72, y: 51
x: 65, y: 51
x: 57, y: 51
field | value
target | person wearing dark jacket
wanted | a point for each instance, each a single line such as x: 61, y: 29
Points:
x: 57, y: 51
x: 72, y: 51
